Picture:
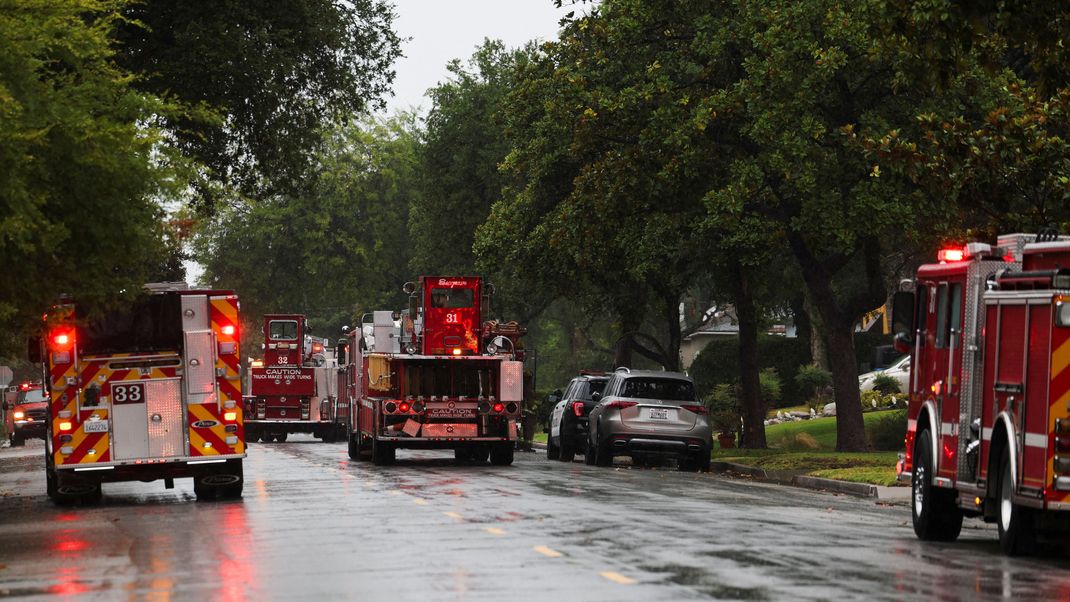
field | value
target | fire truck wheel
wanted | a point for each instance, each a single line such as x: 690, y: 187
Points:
x: 1017, y: 535
x: 462, y: 454
x: 354, y: 447
x: 553, y: 452
x: 281, y: 437
x: 501, y: 455
x: 382, y: 453
x: 935, y: 514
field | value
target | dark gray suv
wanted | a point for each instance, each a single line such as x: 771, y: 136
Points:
x: 646, y: 414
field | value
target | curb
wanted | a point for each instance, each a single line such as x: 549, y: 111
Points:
x: 743, y: 469
x: 848, y: 487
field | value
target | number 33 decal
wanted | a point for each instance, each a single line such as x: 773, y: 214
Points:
x: 127, y: 393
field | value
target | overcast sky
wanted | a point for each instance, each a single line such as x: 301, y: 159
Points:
x: 440, y: 31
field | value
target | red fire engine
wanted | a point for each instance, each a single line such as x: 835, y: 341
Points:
x: 435, y: 376
x: 988, y: 423
x: 291, y: 389
x: 148, y: 392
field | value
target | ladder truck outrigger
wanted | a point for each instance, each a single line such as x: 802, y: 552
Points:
x: 988, y: 423
x: 149, y: 391
x: 292, y: 389
x: 435, y: 376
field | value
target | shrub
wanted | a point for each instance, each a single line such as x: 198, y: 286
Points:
x: 770, y: 383
x: 723, y: 405
x: 718, y: 363
x: 811, y: 379
x: 887, y: 432
x: 800, y: 441
x: 885, y: 384
x: 868, y: 397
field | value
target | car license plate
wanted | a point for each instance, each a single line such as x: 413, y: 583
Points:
x: 95, y: 426
x: 659, y: 414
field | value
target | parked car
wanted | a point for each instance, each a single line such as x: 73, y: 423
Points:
x: 647, y: 414
x: 899, y: 370
x: 568, y: 419
x: 26, y: 417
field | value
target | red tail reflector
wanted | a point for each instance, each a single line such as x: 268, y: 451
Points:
x: 404, y: 406
x: 499, y: 407
x: 620, y: 405
x: 577, y: 408
x: 696, y: 408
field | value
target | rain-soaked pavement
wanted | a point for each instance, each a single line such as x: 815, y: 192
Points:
x: 314, y: 525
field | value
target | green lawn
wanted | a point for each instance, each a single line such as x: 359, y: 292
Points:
x: 790, y: 452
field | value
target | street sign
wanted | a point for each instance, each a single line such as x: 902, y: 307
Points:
x: 5, y: 376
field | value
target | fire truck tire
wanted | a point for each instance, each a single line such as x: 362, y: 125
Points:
x: 1017, y: 534
x: 383, y: 454
x: 502, y: 454
x: 935, y: 515
x: 354, y: 447
x: 553, y: 452
x: 281, y: 437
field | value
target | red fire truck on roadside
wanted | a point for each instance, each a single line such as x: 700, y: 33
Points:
x: 988, y: 422
x: 436, y: 376
x: 25, y: 413
x: 148, y: 392
x: 292, y: 388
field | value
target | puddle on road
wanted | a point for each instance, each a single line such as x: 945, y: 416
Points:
x: 700, y: 580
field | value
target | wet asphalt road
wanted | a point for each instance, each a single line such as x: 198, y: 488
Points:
x: 313, y: 524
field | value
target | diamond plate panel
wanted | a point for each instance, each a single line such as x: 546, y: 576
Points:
x: 450, y: 430
x: 166, y: 418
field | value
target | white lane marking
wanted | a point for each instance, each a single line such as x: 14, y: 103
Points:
x: 419, y: 500
x: 455, y: 515
x: 545, y: 551
x: 618, y: 578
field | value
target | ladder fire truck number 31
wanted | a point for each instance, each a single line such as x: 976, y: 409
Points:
x: 453, y: 318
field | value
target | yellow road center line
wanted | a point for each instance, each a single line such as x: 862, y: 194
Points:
x: 618, y: 578
x: 453, y: 515
x: 395, y: 492
x: 494, y: 531
x: 545, y: 551
x: 420, y: 501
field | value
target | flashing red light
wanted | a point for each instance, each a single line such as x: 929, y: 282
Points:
x: 695, y: 408
x: 499, y: 407
x: 62, y: 339
x: 25, y: 386
x: 404, y: 406
x: 577, y: 408
x: 946, y: 255
x: 228, y: 330
x: 620, y: 405
x: 456, y: 351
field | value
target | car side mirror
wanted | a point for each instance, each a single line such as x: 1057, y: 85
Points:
x: 551, y: 398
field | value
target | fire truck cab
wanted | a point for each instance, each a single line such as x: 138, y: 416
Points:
x: 150, y: 391
x: 292, y: 388
x: 988, y: 430
x: 26, y: 413
x: 435, y: 376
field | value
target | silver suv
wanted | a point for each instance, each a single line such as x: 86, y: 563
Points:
x: 646, y: 414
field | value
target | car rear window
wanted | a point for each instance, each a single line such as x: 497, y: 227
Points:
x: 586, y: 390
x: 658, y: 388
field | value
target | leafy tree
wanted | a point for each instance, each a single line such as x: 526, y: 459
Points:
x: 336, y: 253
x: 463, y: 144
x: 277, y: 72
x: 82, y: 170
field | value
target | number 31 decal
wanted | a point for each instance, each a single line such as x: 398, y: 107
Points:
x: 452, y: 318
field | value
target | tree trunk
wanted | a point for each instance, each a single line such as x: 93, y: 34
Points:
x: 751, y: 402
x: 818, y: 349
x: 850, y: 429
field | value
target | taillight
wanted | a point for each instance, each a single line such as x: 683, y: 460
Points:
x: 230, y: 416
x: 61, y: 339
x: 228, y: 329
x: 698, y: 409
x: 499, y: 407
x: 620, y: 405
x: 64, y: 426
x: 404, y: 407
x: 577, y: 408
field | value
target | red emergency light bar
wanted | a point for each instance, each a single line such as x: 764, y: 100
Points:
x: 947, y: 255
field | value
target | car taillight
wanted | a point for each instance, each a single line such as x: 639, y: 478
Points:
x: 698, y: 409
x: 577, y: 408
x: 620, y: 405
